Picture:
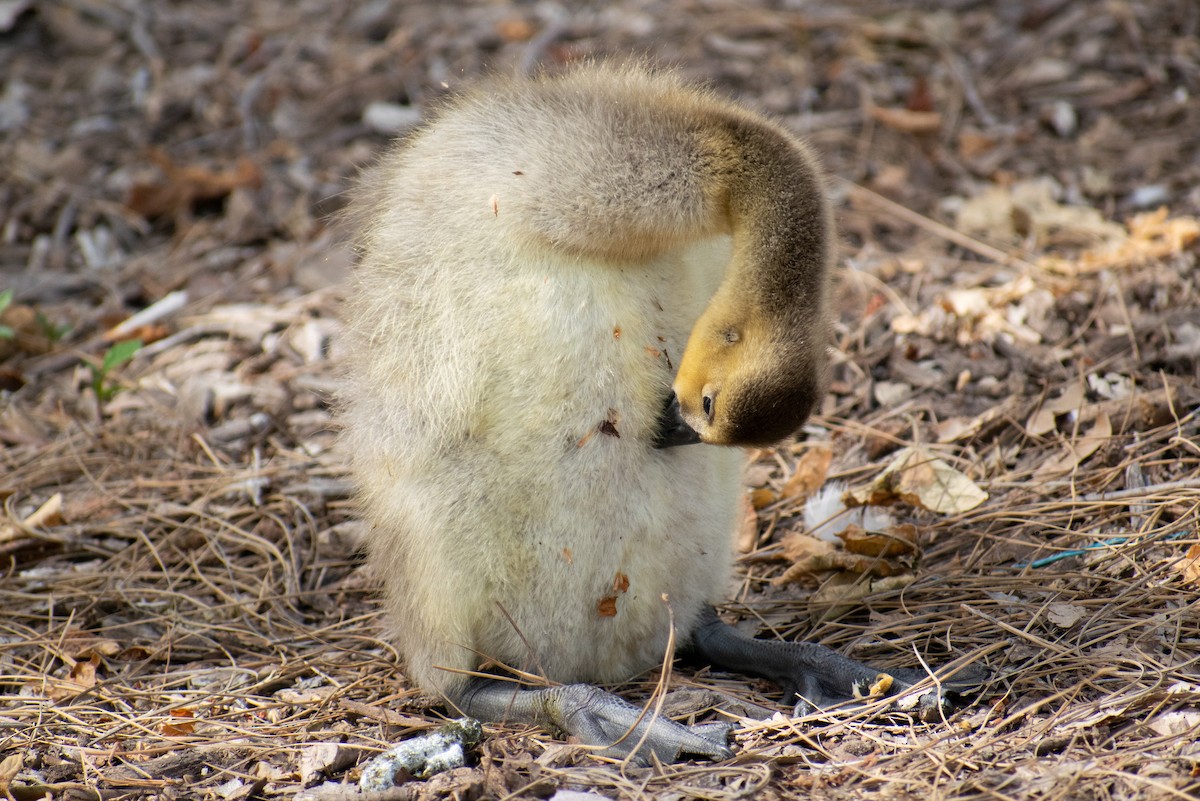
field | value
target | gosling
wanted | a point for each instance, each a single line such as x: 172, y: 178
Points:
x: 566, y: 285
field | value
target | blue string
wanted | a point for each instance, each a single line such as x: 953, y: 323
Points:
x: 1049, y: 560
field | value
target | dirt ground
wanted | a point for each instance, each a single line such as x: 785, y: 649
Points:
x: 1017, y: 187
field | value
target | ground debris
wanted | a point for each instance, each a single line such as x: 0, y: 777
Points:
x: 193, y: 620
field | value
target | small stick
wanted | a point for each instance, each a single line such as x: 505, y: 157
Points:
x: 164, y: 306
x: 938, y: 229
x: 1149, y: 489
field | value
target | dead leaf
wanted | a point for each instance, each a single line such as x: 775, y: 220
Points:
x: 1045, y: 419
x: 974, y: 314
x: 323, y: 759
x: 620, y: 583
x: 1076, y: 451
x: 896, y: 541
x: 301, y: 697
x: 1151, y: 236
x: 762, y: 497
x: 809, y: 476
x: 1189, y: 566
x: 183, y: 723
x: 384, y: 715
x: 798, y: 547
x: 1030, y: 209
x: 607, y: 607
x: 48, y: 514
x: 9, y: 769
x: 845, y: 592
x: 892, y: 393
x: 1064, y: 615
x: 917, y: 477
x: 181, y: 187
x: 82, y: 645
x: 956, y: 428
x: 811, y: 557
x: 919, y: 97
x: 80, y: 678
x: 515, y: 29
x: 972, y: 144
x: 151, y: 332
x: 1173, y: 724
x: 27, y: 331
x: 908, y: 121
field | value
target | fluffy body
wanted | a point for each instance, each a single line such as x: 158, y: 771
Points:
x: 534, y: 264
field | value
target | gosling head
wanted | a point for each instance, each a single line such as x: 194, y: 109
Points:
x: 744, y: 380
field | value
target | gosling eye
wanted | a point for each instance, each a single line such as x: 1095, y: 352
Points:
x: 731, y: 336
x: 708, y: 407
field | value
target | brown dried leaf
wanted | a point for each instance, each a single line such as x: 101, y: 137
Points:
x: 955, y: 428
x: 1064, y: 615
x: 82, y: 645
x: 917, y: 477
x: 1178, y: 723
x: 811, y: 556
x: 80, y: 678
x: 321, y: 759
x: 1045, y: 419
x: 383, y: 715
x: 1152, y: 236
x: 1189, y: 566
x: 607, y: 607
x: 183, y: 723
x: 973, y: 314
x: 896, y: 541
x: 811, y: 469
x: 183, y: 186
x: 1030, y: 208
x: 620, y: 583
x: 608, y: 426
x: 303, y: 697
x: 845, y: 592
x: 798, y: 547
x: 28, y: 332
x: 9, y: 769
x: 972, y: 144
x: 762, y: 497
x: 906, y: 121
x: 151, y: 332
x: 515, y: 29
x: 1074, y: 452
x: 48, y: 514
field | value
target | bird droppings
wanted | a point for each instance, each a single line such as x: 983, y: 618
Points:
x: 422, y: 756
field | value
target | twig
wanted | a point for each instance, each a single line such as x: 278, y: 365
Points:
x: 1141, y: 492
x: 163, y: 307
x: 934, y: 227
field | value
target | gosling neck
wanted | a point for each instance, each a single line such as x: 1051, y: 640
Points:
x: 781, y: 223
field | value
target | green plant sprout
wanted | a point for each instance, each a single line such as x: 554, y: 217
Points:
x: 114, y: 357
x: 6, y: 297
x: 53, y: 332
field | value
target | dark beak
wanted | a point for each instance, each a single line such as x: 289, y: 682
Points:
x: 672, y: 430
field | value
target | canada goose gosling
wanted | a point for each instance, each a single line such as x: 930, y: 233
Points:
x: 534, y: 263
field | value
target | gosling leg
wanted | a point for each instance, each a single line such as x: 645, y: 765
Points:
x: 817, y: 676
x: 596, y: 718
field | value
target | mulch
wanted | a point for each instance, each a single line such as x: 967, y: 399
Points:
x: 1017, y: 186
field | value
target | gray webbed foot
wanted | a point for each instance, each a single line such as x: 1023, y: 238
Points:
x: 598, y: 718
x: 818, y: 677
